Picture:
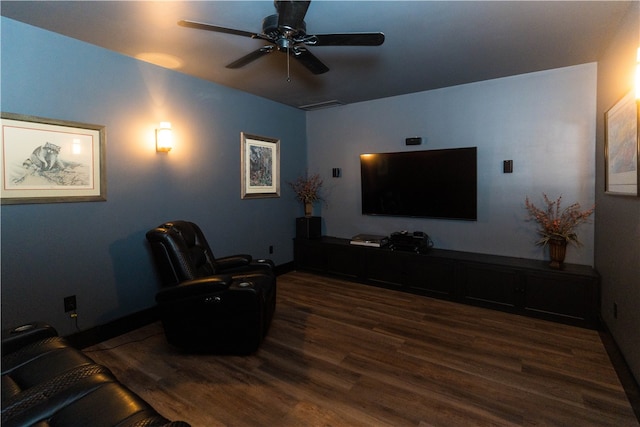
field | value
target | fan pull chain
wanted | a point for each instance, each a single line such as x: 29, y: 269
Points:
x: 288, y: 59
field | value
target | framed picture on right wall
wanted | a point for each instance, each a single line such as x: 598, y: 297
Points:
x: 622, y: 147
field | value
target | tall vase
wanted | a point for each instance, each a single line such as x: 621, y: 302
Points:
x: 308, y: 209
x: 557, y: 252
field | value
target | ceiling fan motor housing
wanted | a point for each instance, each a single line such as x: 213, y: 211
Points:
x: 282, y: 35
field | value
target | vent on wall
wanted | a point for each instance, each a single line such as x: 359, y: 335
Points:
x: 319, y: 105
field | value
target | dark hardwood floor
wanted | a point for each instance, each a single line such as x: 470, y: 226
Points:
x: 340, y: 353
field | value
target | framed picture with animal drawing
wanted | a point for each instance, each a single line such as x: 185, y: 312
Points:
x: 260, y: 157
x: 51, y: 161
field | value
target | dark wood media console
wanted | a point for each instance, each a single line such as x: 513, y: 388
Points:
x: 516, y: 285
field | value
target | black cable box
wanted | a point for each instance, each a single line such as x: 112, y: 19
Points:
x: 412, y: 242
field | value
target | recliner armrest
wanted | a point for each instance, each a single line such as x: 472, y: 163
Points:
x: 20, y: 336
x: 264, y: 263
x: 193, y: 288
x: 232, y: 265
x: 233, y: 261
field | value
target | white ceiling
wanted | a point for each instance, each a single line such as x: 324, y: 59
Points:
x: 429, y: 44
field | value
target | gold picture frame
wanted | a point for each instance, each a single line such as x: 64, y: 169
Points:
x: 260, y: 165
x: 622, y: 147
x: 51, y: 161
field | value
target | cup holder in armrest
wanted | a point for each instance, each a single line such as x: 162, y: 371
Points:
x: 23, y: 328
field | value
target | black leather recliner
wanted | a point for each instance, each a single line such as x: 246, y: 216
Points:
x: 208, y: 304
x: 47, y: 382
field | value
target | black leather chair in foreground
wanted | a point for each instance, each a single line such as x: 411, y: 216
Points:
x: 47, y: 382
x: 207, y: 304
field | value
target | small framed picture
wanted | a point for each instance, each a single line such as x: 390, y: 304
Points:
x: 260, y: 166
x: 51, y: 161
x: 622, y: 147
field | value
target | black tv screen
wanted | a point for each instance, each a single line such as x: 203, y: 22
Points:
x: 430, y: 184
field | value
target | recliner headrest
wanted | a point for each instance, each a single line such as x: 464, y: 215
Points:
x: 185, y: 229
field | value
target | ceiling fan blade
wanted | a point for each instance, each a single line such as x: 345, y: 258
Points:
x: 307, y: 59
x: 209, y: 27
x: 348, y: 39
x: 256, y: 54
x: 291, y: 13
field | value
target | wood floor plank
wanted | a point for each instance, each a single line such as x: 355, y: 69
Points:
x: 341, y: 353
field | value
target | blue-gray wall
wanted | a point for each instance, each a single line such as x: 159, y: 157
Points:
x: 544, y: 122
x: 617, y: 239
x: 97, y: 251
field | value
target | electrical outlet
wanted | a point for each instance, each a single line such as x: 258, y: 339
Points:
x: 271, y: 249
x: 70, y: 303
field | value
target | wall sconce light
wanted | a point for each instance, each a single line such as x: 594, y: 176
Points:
x: 164, y: 137
x: 638, y: 76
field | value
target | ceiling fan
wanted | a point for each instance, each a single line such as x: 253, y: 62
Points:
x: 285, y: 31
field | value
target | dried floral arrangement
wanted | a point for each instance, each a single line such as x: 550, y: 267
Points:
x: 555, y: 222
x: 307, y: 188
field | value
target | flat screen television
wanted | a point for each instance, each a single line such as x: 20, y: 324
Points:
x: 430, y: 184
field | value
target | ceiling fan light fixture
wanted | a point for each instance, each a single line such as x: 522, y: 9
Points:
x: 284, y: 44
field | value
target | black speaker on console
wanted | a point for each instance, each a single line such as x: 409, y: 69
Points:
x: 308, y: 227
